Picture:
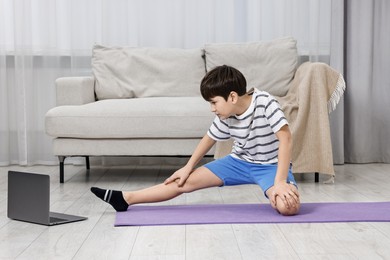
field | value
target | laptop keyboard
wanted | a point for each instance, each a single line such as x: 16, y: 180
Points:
x: 55, y: 220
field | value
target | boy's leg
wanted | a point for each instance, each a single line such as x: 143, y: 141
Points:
x: 280, y: 202
x: 264, y: 176
x: 199, y: 179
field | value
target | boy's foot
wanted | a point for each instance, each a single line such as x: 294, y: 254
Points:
x: 113, y: 197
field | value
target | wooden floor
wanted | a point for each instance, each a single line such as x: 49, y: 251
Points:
x: 97, y: 238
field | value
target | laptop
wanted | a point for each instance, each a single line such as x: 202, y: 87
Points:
x: 29, y: 200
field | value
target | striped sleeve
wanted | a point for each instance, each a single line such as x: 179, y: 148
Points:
x: 219, y: 130
x: 274, y: 114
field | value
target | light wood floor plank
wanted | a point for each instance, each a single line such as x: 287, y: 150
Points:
x: 211, y: 242
x: 263, y: 241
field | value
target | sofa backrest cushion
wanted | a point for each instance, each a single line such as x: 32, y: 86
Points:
x: 127, y: 72
x: 268, y: 66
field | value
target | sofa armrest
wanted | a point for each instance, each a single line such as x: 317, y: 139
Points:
x: 75, y: 90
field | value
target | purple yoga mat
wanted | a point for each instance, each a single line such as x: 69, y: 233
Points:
x: 252, y: 213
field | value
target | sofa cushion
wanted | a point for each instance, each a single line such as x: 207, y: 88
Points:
x: 126, y: 72
x: 268, y: 66
x: 165, y: 117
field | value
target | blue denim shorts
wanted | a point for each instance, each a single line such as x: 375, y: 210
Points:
x: 234, y: 171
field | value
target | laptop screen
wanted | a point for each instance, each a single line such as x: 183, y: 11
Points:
x: 28, y: 197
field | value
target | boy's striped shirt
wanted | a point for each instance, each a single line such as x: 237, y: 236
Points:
x: 253, y: 131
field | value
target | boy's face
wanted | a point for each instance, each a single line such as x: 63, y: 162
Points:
x: 222, y: 108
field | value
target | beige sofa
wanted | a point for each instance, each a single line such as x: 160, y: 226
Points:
x: 146, y: 101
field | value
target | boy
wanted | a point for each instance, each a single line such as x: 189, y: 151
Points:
x: 261, y: 153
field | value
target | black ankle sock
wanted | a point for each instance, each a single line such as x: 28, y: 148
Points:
x: 113, y: 197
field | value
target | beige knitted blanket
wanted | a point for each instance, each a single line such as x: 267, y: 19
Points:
x: 313, y: 94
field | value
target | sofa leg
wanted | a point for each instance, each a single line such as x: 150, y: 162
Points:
x: 87, y: 162
x: 62, y: 159
x: 316, y: 177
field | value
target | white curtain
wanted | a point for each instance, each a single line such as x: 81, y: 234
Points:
x: 41, y: 40
x: 367, y: 100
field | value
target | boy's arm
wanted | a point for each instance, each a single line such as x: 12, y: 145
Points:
x: 284, y: 154
x: 182, y: 174
x: 281, y: 188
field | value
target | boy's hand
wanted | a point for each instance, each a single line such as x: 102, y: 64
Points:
x: 289, y: 196
x: 180, y: 176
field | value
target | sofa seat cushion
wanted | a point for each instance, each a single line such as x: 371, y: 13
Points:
x: 155, y: 117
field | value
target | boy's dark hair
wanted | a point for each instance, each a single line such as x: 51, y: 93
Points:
x: 221, y: 81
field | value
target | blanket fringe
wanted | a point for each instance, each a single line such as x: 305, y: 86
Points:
x: 337, y: 94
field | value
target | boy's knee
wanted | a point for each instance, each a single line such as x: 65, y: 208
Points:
x: 287, y: 211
